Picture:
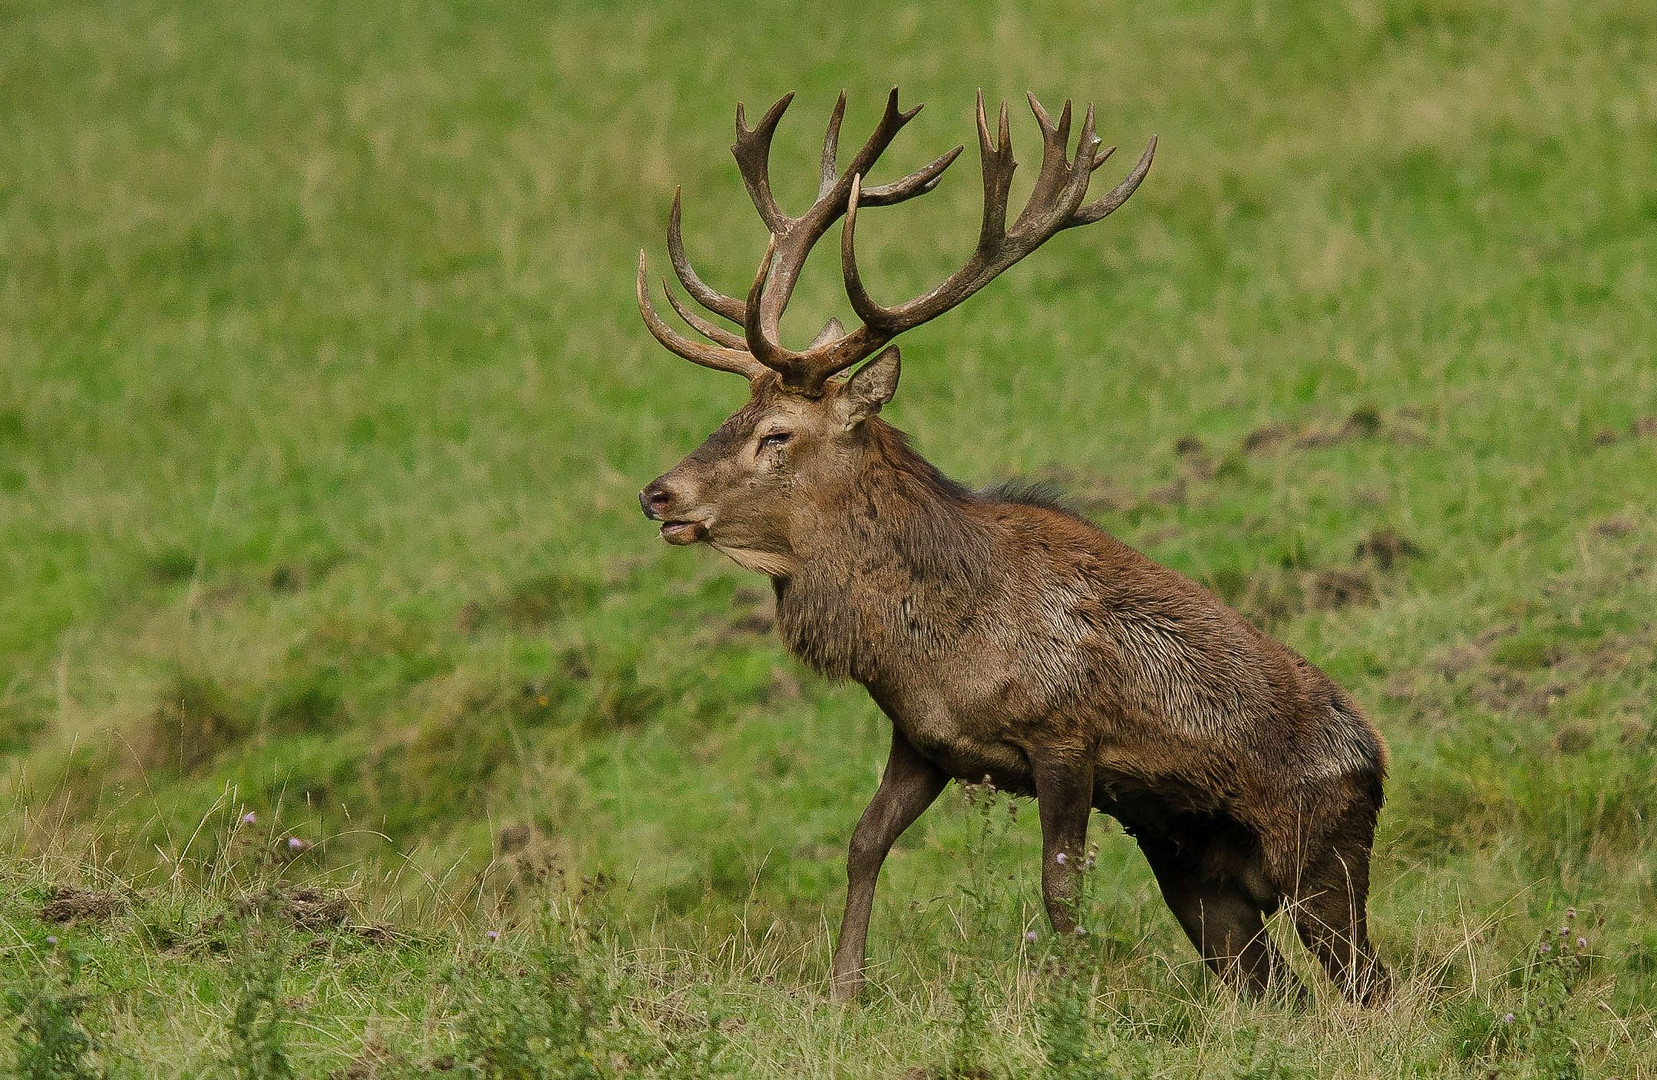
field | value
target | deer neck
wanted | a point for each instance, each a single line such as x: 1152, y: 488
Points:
x: 897, y: 563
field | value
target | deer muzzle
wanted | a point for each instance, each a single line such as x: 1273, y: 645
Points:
x: 658, y: 503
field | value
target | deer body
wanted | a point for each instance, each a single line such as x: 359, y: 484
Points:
x: 1008, y: 638
x: 984, y: 623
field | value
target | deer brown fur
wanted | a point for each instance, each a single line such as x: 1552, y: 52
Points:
x: 1013, y: 640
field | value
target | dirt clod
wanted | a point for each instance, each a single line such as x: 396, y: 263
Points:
x: 1194, y: 457
x: 754, y: 615
x: 513, y: 839
x: 1170, y: 494
x: 1362, y: 423
x: 1338, y: 588
x: 307, y: 907
x: 70, y: 904
x: 1386, y: 547
x: 754, y: 622
x: 1464, y: 657
x: 1365, y: 420
x: 376, y: 933
x: 1573, y: 739
x: 1189, y: 444
x: 526, y: 857
x: 1265, y: 438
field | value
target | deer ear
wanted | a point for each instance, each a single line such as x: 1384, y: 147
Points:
x: 869, y: 388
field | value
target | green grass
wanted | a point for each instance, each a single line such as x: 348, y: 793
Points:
x: 323, y: 405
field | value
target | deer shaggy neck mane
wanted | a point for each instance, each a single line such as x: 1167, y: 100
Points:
x: 892, y: 566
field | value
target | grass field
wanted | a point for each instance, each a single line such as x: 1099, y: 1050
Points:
x: 356, y: 725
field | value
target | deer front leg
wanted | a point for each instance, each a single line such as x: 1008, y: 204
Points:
x: 910, y: 785
x: 1064, y: 799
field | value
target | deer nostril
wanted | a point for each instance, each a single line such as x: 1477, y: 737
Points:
x: 654, y: 499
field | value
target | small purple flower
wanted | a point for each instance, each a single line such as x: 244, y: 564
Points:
x: 249, y: 818
x: 1570, y: 913
x: 492, y: 935
x: 52, y: 939
x: 1582, y: 943
x: 1545, y: 949
x: 1059, y: 858
x: 295, y: 844
x: 1508, y: 1019
x: 1029, y: 935
x: 1081, y: 930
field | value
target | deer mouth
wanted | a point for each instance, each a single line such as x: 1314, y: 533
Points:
x: 684, y: 532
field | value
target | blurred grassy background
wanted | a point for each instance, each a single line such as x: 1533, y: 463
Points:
x: 323, y: 407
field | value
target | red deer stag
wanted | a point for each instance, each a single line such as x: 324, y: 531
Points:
x: 1003, y: 637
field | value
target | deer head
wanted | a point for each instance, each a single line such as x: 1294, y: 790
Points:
x: 751, y: 489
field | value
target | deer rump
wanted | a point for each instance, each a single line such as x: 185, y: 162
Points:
x: 1002, y: 635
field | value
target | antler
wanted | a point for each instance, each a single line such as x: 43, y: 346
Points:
x: 1054, y: 204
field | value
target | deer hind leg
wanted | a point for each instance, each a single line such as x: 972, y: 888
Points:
x: 1214, y: 895
x: 1328, y: 901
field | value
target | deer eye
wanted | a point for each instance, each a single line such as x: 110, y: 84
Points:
x: 776, y: 440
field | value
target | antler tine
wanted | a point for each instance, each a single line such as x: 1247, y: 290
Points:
x: 752, y: 150
x: 870, y: 312
x: 998, y: 175
x: 1118, y: 195
x: 717, y: 302
x: 710, y: 356
x: 831, y: 147
x: 1058, y: 208
x: 892, y: 120
x: 1055, y: 142
x: 919, y: 182
x: 712, y: 331
x: 764, y: 349
x: 831, y: 331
